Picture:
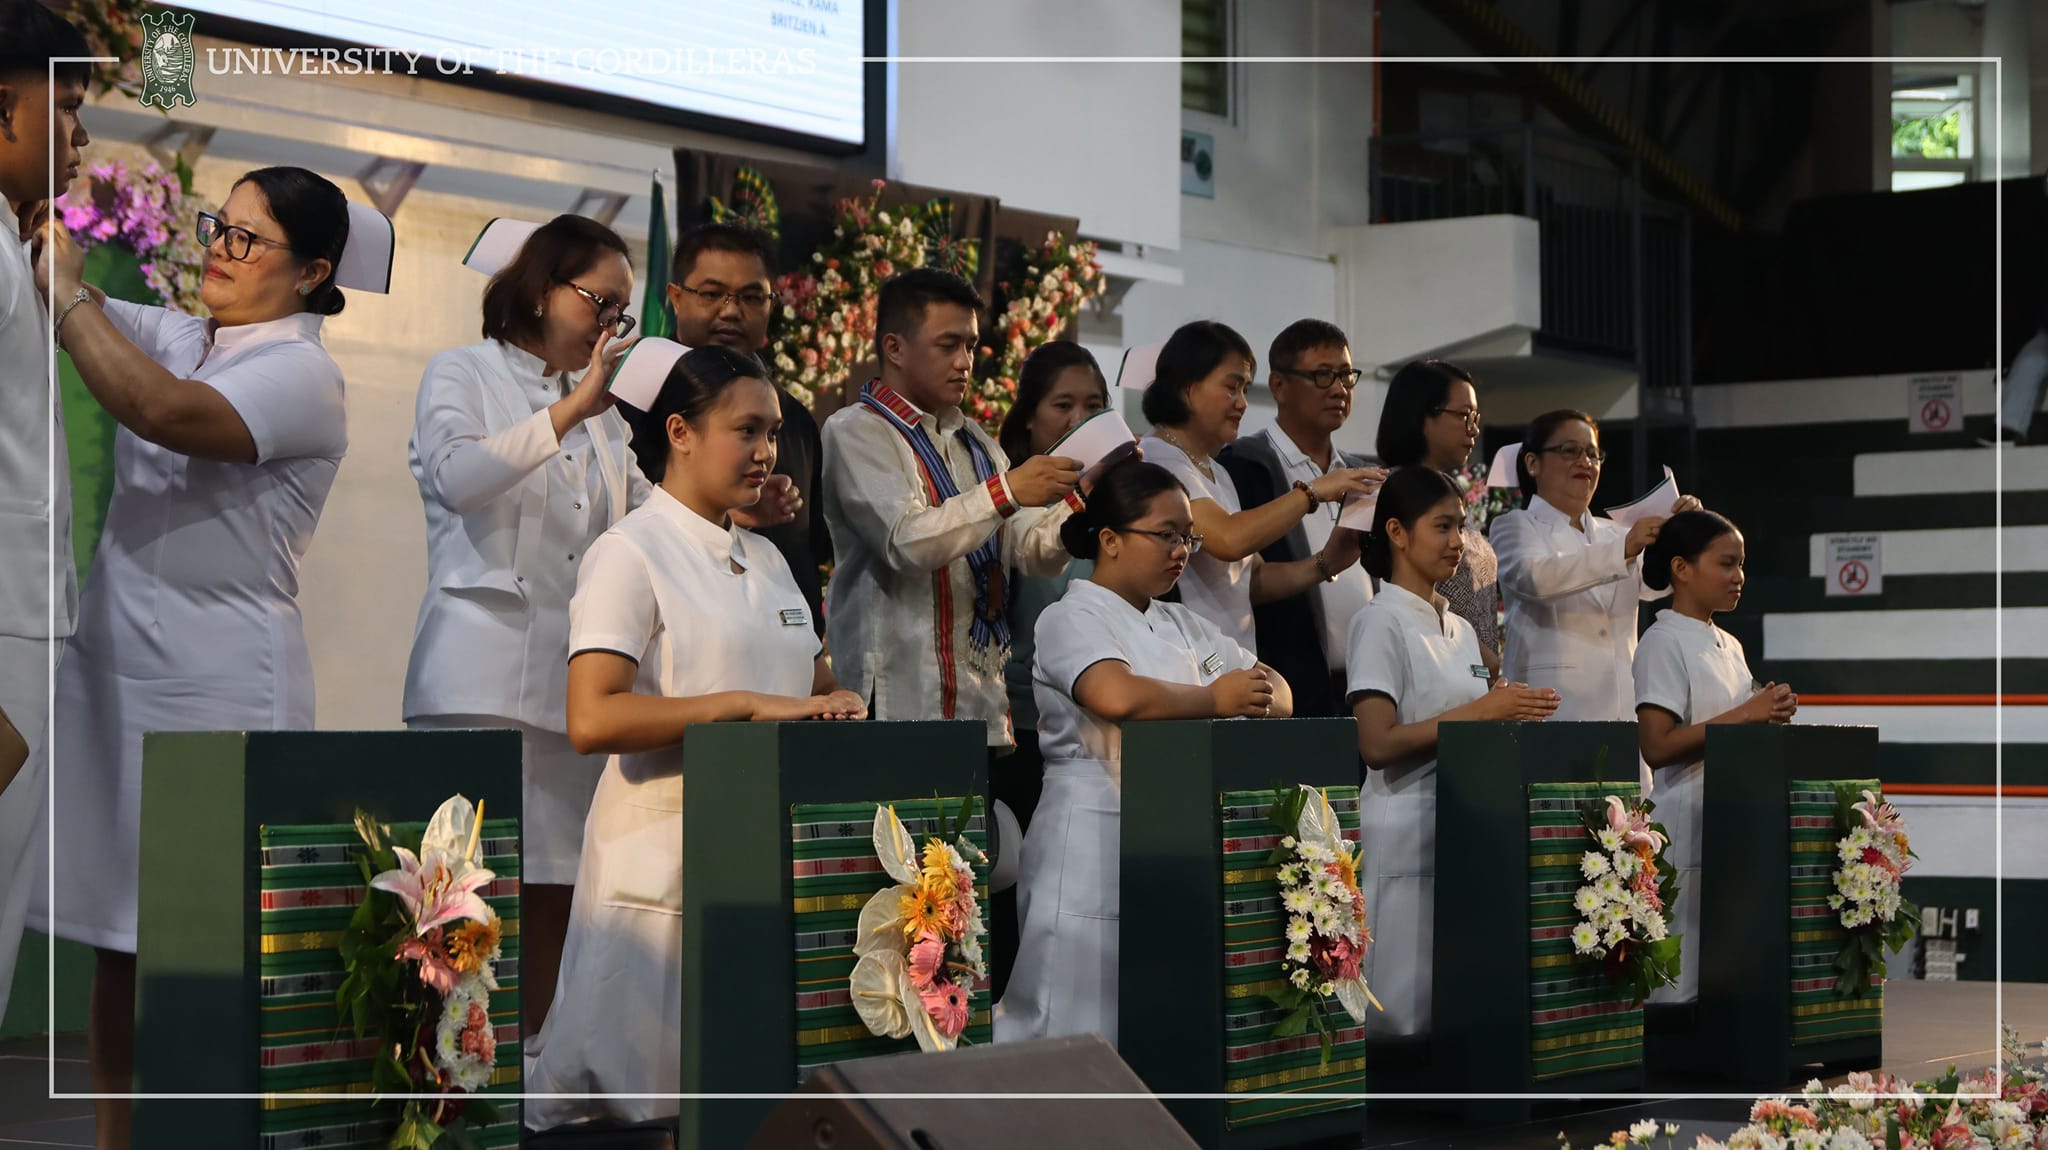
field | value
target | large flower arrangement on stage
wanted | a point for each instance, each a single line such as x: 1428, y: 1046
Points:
x: 1326, y: 933
x: 919, y: 942
x: 418, y: 959
x: 111, y: 28
x: 1483, y: 503
x: 1627, y: 891
x: 825, y: 325
x: 1039, y: 297
x: 1875, y: 852
x: 144, y: 211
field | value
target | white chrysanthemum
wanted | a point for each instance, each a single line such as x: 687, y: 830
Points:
x: 1610, y: 888
x: 1297, y: 951
x: 1615, y: 934
x: 1297, y: 930
x: 1299, y: 978
x: 1592, y: 864
x: 1610, y: 839
x: 1585, y: 938
x: 1326, y: 920
x: 1848, y: 1137
x: 1298, y: 901
x: 1586, y: 901
x: 1804, y: 1139
x: 1626, y: 864
x: 1642, y: 1131
x: 1654, y: 927
x: 1287, y: 841
x: 1835, y: 901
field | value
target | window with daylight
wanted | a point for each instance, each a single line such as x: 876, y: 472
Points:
x: 1205, y: 31
x: 1934, y: 131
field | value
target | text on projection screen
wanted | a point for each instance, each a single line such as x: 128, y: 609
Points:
x: 788, y: 64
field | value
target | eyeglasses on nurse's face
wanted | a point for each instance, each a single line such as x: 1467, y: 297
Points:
x: 610, y: 313
x: 1572, y: 452
x: 1326, y: 377
x: 1470, y: 415
x: 1174, y: 540
x: 236, y: 242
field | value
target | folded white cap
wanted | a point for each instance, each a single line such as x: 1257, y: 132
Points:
x: 1503, y: 473
x: 365, y: 263
x: 1140, y: 365
x: 637, y: 378
x: 497, y: 244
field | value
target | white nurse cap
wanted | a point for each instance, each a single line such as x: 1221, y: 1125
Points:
x: 637, y: 378
x: 365, y: 263
x: 498, y: 244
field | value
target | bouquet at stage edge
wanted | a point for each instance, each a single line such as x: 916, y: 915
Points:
x: 919, y: 942
x: 1326, y: 934
x: 1041, y: 295
x: 418, y: 957
x: 1483, y: 503
x: 1627, y: 891
x: 1875, y: 854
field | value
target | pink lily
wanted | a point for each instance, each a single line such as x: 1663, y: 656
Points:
x: 1876, y: 813
x: 432, y: 890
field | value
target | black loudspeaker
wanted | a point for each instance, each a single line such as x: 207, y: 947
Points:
x: 829, y: 1112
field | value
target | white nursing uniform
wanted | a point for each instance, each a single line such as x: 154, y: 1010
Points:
x: 1065, y: 980
x: 510, y: 513
x: 1426, y: 659
x: 190, y: 618
x: 1696, y: 671
x: 660, y: 589
x: 1218, y: 591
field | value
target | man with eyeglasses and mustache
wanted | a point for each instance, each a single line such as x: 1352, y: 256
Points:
x: 721, y: 293
x: 1304, y: 636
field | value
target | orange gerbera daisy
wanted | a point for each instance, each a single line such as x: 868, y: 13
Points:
x: 471, y: 944
x: 921, y: 912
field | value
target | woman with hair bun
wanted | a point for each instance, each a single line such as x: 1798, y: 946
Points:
x: 680, y: 617
x: 521, y: 465
x: 1413, y: 664
x: 1108, y: 653
x: 1688, y: 674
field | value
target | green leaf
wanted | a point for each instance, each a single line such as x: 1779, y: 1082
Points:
x: 458, y: 1136
x: 481, y: 1113
x: 414, y: 1131
x: 1327, y: 1044
x: 1296, y: 1022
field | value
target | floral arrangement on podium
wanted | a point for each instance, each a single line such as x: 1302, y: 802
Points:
x: 418, y: 958
x: 1039, y: 296
x: 919, y: 942
x: 1627, y: 891
x: 1875, y: 852
x: 142, y: 211
x: 1326, y: 934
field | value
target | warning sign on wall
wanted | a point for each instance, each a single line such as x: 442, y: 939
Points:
x: 1934, y: 403
x: 1855, y: 564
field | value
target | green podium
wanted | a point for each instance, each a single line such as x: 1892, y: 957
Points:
x: 247, y: 879
x: 1201, y: 935
x: 1768, y: 939
x: 1513, y: 1008
x: 778, y: 859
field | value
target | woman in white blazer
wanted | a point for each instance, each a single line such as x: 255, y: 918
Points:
x: 521, y: 467
x: 1571, y: 580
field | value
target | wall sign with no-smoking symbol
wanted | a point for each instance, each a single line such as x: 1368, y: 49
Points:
x: 1855, y: 565
x: 1934, y: 403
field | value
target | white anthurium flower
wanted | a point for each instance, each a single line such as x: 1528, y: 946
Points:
x: 877, y: 996
x: 895, y: 847
x: 881, y: 921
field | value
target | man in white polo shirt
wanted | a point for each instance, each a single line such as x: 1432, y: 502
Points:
x: 1303, y: 637
x: 39, y: 134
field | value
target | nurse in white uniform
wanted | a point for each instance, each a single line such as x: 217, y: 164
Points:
x: 1107, y: 652
x: 1571, y: 580
x: 1688, y: 674
x: 1413, y: 663
x: 1195, y: 401
x: 680, y: 617
x: 231, y: 432
x: 521, y: 467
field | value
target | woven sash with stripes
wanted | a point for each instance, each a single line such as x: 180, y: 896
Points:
x: 1818, y: 1013
x: 1580, y: 1019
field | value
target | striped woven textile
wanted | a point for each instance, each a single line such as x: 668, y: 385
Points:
x: 834, y: 871
x: 1579, y: 1018
x: 1818, y: 1014
x: 310, y: 887
x: 1264, y: 1072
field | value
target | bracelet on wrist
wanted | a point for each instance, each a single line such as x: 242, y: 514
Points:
x: 1314, y: 501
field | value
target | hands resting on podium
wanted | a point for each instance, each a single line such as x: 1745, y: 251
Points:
x: 1384, y: 741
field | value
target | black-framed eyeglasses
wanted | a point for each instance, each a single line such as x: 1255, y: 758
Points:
x: 236, y: 242
x: 1572, y: 452
x: 1326, y: 377
x: 1174, y: 540
x: 1469, y: 415
x: 750, y: 299
x: 610, y: 313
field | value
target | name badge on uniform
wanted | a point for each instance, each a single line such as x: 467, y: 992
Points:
x: 1479, y: 671
x: 795, y: 616
x: 1212, y: 664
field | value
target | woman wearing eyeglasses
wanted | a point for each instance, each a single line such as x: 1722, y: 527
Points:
x: 522, y: 466
x: 231, y: 431
x: 1572, y: 580
x: 1107, y: 653
x: 1195, y: 401
x: 1430, y: 418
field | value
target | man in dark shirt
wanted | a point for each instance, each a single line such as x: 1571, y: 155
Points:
x: 721, y: 292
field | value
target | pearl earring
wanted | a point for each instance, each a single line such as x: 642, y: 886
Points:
x: 537, y: 311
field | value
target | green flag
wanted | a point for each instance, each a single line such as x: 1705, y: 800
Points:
x: 655, y: 318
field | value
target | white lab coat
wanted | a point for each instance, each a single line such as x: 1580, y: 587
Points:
x: 659, y: 589
x: 1068, y: 909
x: 510, y: 513
x: 1696, y: 671
x: 1426, y: 659
x: 1572, y: 601
x: 190, y: 620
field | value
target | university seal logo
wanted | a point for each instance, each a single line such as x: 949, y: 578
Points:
x: 168, y: 59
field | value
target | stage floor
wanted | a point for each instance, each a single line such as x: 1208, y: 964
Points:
x: 1929, y: 1026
